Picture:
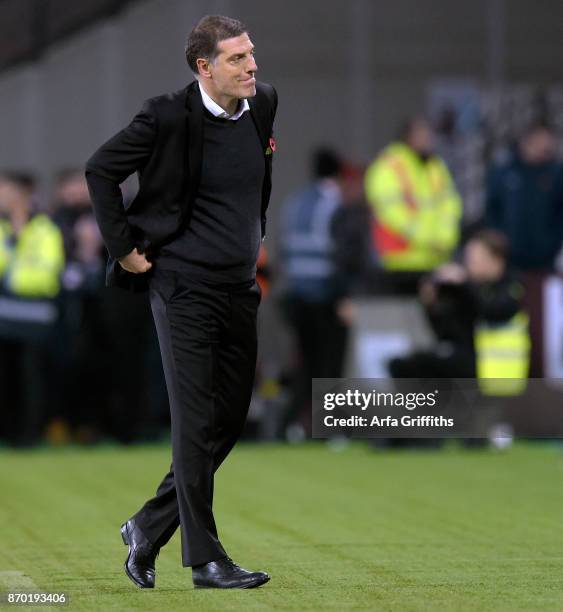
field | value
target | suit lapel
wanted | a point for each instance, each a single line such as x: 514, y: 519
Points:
x: 194, y: 131
x: 255, y: 114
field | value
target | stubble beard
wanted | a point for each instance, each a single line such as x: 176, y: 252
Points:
x: 246, y: 92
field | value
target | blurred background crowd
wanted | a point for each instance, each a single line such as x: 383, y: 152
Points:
x: 433, y: 249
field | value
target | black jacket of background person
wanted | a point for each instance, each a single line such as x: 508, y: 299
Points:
x: 459, y: 307
x: 163, y: 144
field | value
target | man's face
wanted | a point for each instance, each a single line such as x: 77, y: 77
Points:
x: 232, y: 71
x: 538, y: 147
x: 421, y: 137
x: 9, y: 196
x: 482, y: 266
x: 73, y: 192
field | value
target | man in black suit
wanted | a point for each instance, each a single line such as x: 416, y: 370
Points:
x: 192, y: 235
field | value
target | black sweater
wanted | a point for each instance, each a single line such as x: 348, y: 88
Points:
x: 222, y: 240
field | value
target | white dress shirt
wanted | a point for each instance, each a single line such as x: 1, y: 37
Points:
x: 218, y: 111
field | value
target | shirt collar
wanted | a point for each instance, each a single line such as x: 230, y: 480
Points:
x: 218, y: 111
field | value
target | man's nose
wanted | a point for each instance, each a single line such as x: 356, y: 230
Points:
x: 252, y: 66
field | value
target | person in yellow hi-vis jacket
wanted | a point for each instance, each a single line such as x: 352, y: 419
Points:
x: 31, y: 264
x: 416, y: 207
x: 31, y: 245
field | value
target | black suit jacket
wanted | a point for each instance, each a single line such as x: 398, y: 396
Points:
x: 163, y: 144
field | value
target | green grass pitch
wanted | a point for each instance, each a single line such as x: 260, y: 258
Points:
x: 349, y: 530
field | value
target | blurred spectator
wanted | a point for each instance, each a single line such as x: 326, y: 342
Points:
x: 79, y: 355
x: 351, y: 230
x: 306, y: 239
x: 72, y: 212
x: 71, y: 203
x: 475, y: 311
x: 31, y: 253
x: 416, y: 206
x: 313, y: 287
x: 525, y: 201
x: 98, y: 330
x: 31, y: 262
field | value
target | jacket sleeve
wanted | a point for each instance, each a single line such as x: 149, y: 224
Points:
x: 274, y: 107
x: 122, y: 155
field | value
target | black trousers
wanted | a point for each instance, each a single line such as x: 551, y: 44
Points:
x: 207, y: 337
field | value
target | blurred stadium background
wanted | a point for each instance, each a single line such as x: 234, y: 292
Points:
x: 79, y: 364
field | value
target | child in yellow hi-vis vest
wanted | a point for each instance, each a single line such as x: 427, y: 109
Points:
x: 476, y: 314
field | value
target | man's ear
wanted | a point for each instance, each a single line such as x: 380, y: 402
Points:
x: 203, y: 67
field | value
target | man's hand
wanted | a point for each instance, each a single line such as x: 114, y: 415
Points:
x: 427, y: 292
x: 346, y: 311
x: 135, y: 262
x: 451, y: 273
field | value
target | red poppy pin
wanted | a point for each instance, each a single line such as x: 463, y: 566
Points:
x: 271, y: 146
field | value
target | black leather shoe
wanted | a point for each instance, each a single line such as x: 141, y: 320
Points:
x: 139, y: 565
x: 224, y: 574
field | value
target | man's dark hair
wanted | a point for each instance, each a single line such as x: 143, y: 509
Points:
x: 23, y: 180
x: 326, y: 163
x: 496, y: 243
x: 407, y: 126
x: 538, y: 125
x: 204, y: 38
x: 67, y: 174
